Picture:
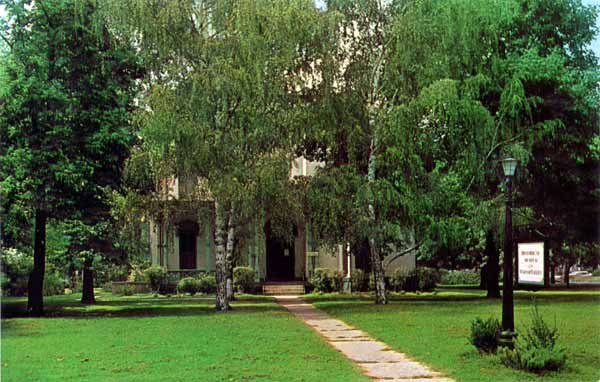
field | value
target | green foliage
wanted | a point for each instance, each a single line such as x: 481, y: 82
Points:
x: 463, y: 277
x: 359, y: 280
x: 243, y: 279
x: 16, y: 267
x: 485, y: 334
x: 326, y: 280
x: 537, y: 351
x: 402, y: 280
x: 62, y: 73
x: 156, y: 276
x: 596, y: 272
x: 421, y: 279
x: 54, y: 284
x: 127, y: 290
x: 188, y: 285
x: 208, y: 284
x: 136, y: 274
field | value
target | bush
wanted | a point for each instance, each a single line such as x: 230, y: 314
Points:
x: 537, y: 351
x: 427, y: 278
x: 243, y: 279
x: 136, y: 275
x: 188, y: 285
x: 359, y: 282
x: 465, y: 277
x: 54, y: 284
x: 156, y: 277
x: 485, y: 334
x: 127, y: 291
x: 420, y: 279
x: 321, y: 280
x: 403, y: 280
x: 596, y: 272
x: 207, y: 284
x: 337, y: 281
x: 117, y: 273
x: 16, y: 267
x: 327, y: 280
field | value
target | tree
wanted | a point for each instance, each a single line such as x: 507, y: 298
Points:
x: 481, y: 80
x: 65, y: 127
x: 350, y: 120
x: 225, y: 98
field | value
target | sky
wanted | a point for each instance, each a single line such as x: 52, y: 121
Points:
x: 596, y: 42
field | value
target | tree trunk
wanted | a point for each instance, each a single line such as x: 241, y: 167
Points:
x: 87, y: 292
x: 35, y: 293
x: 552, y: 273
x: 221, y: 303
x: 229, y: 256
x: 566, y: 268
x: 492, y: 267
x: 377, y: 264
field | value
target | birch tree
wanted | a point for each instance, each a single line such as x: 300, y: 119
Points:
x: 227, y: 91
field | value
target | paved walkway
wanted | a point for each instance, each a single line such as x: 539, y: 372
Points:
x: 375, y: 358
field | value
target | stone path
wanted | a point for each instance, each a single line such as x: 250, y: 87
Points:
x: 375, y: 358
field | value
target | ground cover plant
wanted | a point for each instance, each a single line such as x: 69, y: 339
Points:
x: 437, y: 333
x: 147, y: 338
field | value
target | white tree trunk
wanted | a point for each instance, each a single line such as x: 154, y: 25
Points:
x: 222, y: 302
x: 376, y: 262
x: 229, y: 255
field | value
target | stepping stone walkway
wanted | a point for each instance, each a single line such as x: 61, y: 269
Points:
x: 375, y: 358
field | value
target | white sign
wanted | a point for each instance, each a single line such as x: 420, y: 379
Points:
x: 531, y: 263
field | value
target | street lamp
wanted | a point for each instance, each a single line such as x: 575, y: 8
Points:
x: 509, y: 165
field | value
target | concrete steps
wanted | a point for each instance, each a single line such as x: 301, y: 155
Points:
x: 283, y: 289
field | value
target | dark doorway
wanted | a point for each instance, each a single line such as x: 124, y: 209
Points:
x: 280, y: 257
x: 188, y: 232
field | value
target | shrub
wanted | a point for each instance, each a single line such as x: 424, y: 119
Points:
x: 243, y: 279
x: 359, y: 282
x: 485, y: 334
x: 403, y: 280
x: 466, y: 277
x: 136, y: 275
x: 117, y: 273
x: 321, y: 280
x: 156, y: 277
x: 127, y: 291
x: 188, y: 285
x: 427, y: 278
x: 327, y: 280
x: 207, y: 284
x: 54, y: 284
x: 596, y: 272
x: 16, y: 267
x: 537, y: 350
x: 337, y: 281
x: 420, y: 279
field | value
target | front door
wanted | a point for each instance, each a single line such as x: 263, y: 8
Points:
x: 280, y: 258
x: 187, y: 250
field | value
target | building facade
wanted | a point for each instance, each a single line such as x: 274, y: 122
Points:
x: 184, y: 242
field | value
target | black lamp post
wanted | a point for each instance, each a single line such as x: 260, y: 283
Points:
x: 509, y: 166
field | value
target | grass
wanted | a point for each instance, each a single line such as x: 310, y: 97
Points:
x: 147, y: 338
x: 436, y: 333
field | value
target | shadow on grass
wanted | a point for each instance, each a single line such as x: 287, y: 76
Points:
x: 134, y: 306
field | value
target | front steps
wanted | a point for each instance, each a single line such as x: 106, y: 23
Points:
x: 283, y: 289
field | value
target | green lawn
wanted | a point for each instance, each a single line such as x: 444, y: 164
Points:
x: 436, y: 332
x: 142, y: 338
